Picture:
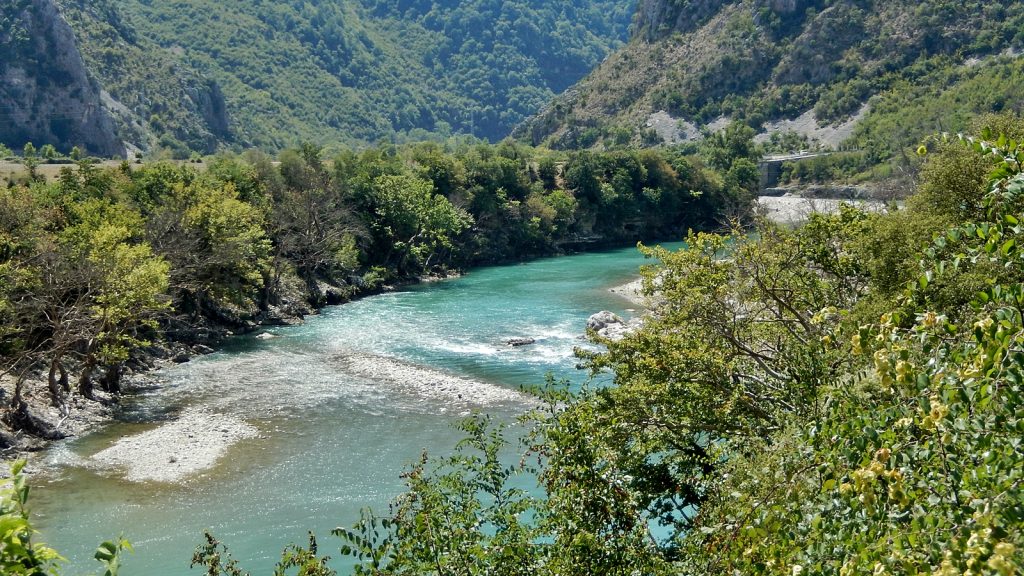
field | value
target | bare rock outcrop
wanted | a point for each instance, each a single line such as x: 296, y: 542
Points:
x: 46, y: 93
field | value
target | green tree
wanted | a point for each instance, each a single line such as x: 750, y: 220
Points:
x: 954, y: 183
x: 735, y: 142
x: 48, y: 152
x: 30, y: 160
x: 216, y: 246
x: 413, y: 225
x: 312, y: 225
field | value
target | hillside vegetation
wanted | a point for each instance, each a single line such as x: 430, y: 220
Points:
x: 193, y: 75
x: 761, y: 61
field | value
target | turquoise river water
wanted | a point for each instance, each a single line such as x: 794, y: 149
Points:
x: 333, y: 439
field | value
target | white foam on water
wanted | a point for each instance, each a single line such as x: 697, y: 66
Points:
x: 472, y: 348
x: 59, y: 456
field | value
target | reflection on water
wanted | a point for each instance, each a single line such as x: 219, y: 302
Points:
x: 334, y: 435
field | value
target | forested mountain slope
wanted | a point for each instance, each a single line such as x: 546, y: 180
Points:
x: 190, y: 75
x: 802, y: 65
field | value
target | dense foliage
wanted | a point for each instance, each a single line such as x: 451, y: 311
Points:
x: 101, y: 263
x: 350, y: 72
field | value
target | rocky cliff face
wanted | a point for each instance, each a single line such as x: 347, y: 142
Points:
x: 79, y: 75
x: 656, y: 19
x: 46, y: 93
x: 156, y: 99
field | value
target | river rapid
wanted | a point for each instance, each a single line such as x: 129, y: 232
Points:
x: 341, y: 405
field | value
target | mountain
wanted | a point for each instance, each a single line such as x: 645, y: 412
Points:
x: 46, y: 92
x: 856, y: 72
x: 193, y: 75
x: 157, y: 100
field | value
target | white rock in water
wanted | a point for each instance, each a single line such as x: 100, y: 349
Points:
x: 602, y: 320
x: 620, y: 330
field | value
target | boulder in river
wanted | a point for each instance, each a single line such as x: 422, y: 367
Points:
x: 601, y: 320
x: 516, y: 342
x: 620, y: 330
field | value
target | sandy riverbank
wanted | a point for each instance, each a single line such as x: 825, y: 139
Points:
x: 176, y: 450
x: 632, y: 291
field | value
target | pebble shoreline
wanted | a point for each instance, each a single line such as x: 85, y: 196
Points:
x: 460, y: 394
x: 176, y: 450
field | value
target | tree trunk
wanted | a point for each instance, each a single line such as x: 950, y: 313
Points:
x: 112, y: 379
x: 19, y: 387
x: 85, y: 385
x: 57, y: 386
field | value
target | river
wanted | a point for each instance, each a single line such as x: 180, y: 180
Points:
x: 334, y: 434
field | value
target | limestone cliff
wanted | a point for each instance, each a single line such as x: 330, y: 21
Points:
x: 75, y: 74
x: 157, y: 100
x: 46, y: 93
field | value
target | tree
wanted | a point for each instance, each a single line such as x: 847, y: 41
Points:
x: 132, y: 284
x: 411, y: 224
x: 914, y: 467
x: 22, y: 232
x: 735, y: 142
x: 216, y: 246
x: 312, y: 226
x: 48, y: 152
x: 953, y: 183
x: 30, y: 161
x: 101, y: 288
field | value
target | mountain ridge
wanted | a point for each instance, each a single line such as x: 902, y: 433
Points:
x: 188, y: 76
x: 770, y: 63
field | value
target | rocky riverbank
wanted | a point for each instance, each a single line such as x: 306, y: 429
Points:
x: 792, y: 210
x: 176, y: 450
x: 633, y: 291
x: 427, y: 385
x: 39, y: 422
x: 609, y: 325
